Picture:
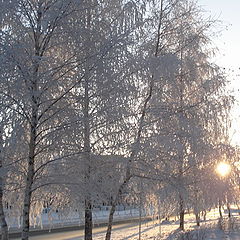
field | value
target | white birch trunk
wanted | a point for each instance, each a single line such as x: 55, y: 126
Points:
x: 140, y: 213
x: 4, y: 227
x: 3, y: 222
x: 87, y: 148
x: 88, y: 202
x: 33, y: 134
x: 30, y: 174
x: 181, y: 212
x: 159, y: 217
x: 113, y: 208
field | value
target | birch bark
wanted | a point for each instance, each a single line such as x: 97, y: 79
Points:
x: 32, y: 129
x: 87, y: 147
x: 30, y: 167
x: 3, y: 221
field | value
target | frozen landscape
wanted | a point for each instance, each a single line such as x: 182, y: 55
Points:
x: 116, y: 121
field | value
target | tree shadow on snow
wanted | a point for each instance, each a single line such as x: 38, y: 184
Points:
x: 136, y: 234
x: 81, y: 236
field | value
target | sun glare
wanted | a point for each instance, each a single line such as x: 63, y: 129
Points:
x: 223, y: 169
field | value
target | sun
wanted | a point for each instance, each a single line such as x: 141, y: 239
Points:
x: 223, y: 169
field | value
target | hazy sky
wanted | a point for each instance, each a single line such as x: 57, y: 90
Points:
x: 228, y: 43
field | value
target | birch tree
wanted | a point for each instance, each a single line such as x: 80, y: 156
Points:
x: 188, y: 97
x: 36, y: 85
x: 102, y: 92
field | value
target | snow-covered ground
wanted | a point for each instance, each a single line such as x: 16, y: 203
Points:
x: 151, y: 230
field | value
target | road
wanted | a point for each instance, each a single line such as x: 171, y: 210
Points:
x: 124, y: 231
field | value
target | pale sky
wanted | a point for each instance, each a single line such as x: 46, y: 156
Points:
x: 228, y: 43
